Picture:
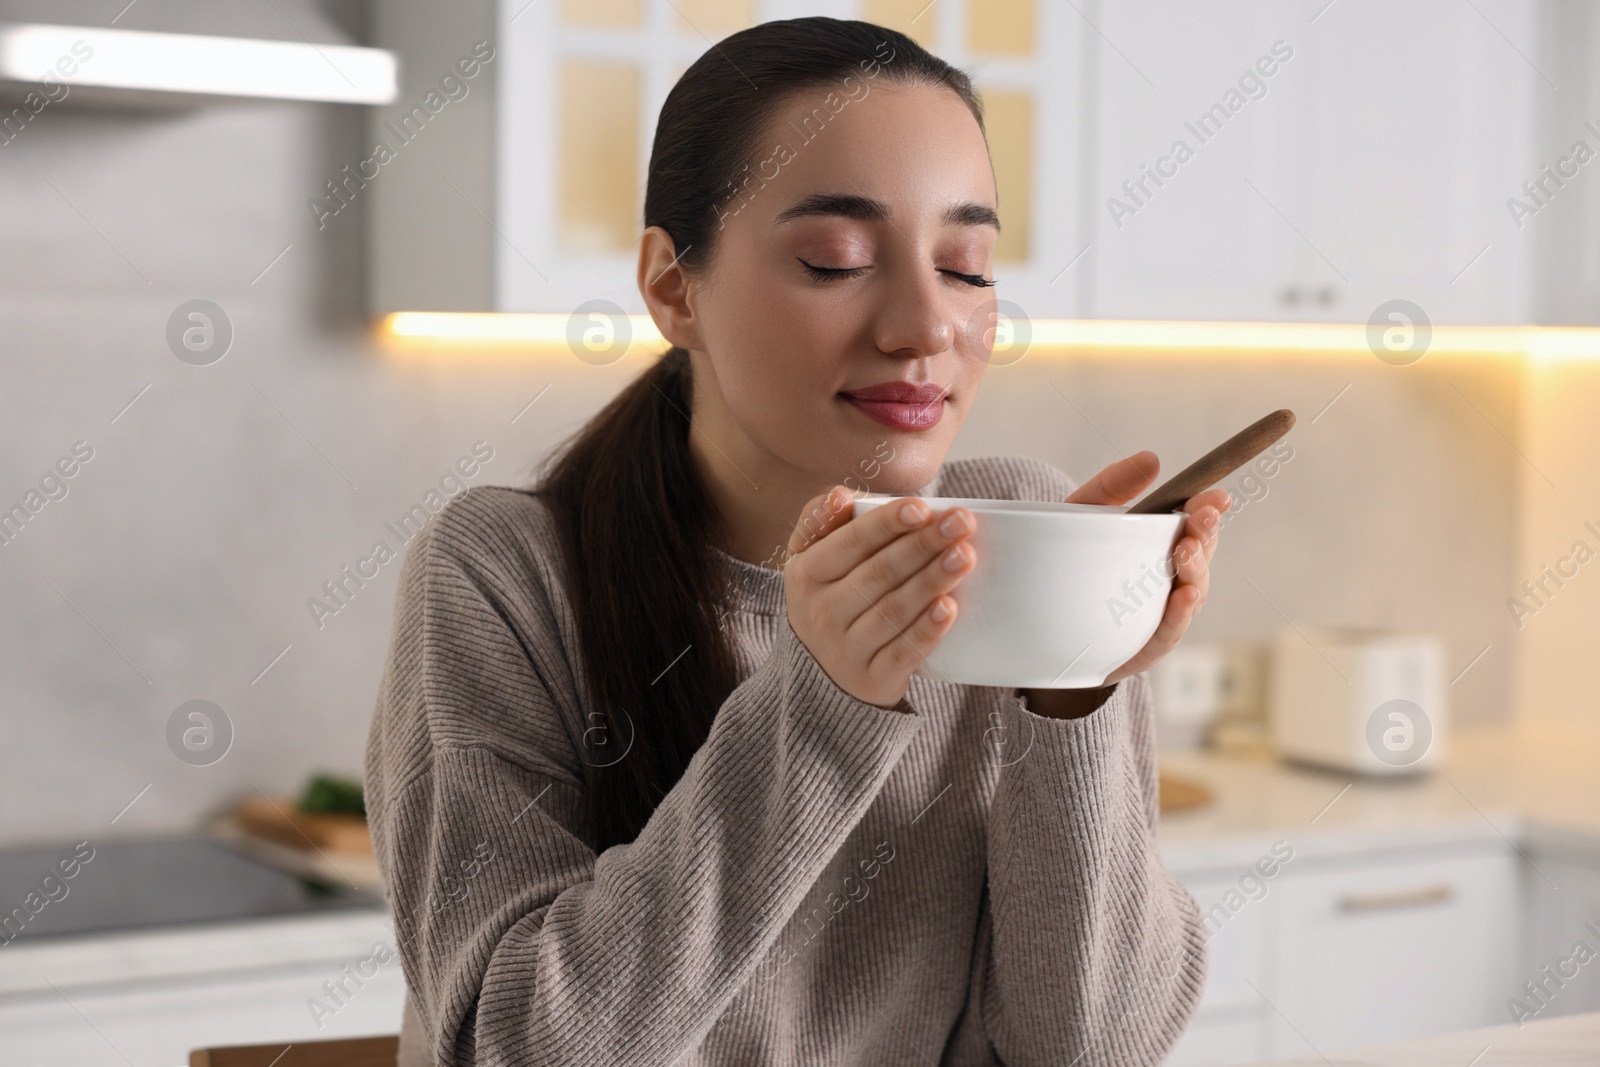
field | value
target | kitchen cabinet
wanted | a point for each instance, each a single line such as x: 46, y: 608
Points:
x: 1230, y: 1025
x: 1318, y: 163
x: 1562, y: 957
x: 1251, y: 161
x: 1394, y: 948
x: 526, y: 193
x: 1177, y: 233
x: 1371, y: 947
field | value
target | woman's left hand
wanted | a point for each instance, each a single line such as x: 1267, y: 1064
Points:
x: 1191, y: 557
x: 1123, y: 481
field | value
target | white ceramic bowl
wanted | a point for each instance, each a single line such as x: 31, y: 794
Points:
x: 1062, y: 594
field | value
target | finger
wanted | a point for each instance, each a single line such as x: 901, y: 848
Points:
x: 1218, y: 498
x: 1175, y: 619
x: 1203, y: 525
x: 1192, y: 568
x: 820, y: 517
x: 909, y: 649
x: 1120, y: 482
x: 1180, y: 611
x: 886, y: 570
x: 864, y: 536
x: 898, y: 608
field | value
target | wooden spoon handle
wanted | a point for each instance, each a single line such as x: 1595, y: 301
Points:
x: 1215, y: 465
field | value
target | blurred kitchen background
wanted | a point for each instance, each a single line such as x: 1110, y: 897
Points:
x: 257, y: 346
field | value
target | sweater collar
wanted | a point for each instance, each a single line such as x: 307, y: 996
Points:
x: 759, y: 590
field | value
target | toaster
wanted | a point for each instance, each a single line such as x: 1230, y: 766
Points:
x: 1359, y: 700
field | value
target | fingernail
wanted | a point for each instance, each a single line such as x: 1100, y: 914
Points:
x: 939, y: 612
x: 955, y: 558
x: 955, y: 524
x: 913, y: 512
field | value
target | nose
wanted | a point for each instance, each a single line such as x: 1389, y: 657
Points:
x: 916, y: 317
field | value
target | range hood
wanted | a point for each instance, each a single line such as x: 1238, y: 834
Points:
x: 164, y: 52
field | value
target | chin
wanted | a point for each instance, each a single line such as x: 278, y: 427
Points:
x: 902, y: 466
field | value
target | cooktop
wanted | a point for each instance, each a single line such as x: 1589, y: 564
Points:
x: 127, y: 885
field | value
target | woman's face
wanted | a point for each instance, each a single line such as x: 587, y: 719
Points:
x: 852, y: 266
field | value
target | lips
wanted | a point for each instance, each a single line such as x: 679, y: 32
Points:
x: 900, y: 392
x: 900, y: 405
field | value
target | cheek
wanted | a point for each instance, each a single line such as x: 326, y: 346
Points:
x: 973, y: 348
x: 981, y: 332
x: 790, y: 319
x: 776, y: 341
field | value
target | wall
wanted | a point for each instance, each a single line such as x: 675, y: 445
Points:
x: 1557, y: 625
x: 180, y: 563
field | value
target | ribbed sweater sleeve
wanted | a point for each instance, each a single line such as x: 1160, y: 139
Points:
x: 1095, y: 954
x: 521, y: 945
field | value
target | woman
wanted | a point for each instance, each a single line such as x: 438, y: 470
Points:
x: 650, y: 778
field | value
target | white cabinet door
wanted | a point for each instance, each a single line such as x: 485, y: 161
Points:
x: 1562, y: 959
x: 1386, y: 950
x: 1236, y: 926
x: 1372, y: 163
x: 1178, y: 232
x: 1228, y: 1027
x: 1400, y: 137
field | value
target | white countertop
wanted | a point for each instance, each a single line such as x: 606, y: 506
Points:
x: 172, y: 952
x: 1527, y: 782
x: 1572, y: 1040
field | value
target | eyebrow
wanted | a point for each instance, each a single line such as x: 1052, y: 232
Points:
x: 968, y: 213
x: 866, y: 209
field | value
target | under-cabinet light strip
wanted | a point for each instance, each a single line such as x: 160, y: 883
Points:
x: 1164, y: 337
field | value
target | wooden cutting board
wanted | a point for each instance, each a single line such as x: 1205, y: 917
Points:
x: 351, y: 1052
x: 1181, y: 794
x: 278, y: 820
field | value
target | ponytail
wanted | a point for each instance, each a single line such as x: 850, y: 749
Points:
x: 636, y: 530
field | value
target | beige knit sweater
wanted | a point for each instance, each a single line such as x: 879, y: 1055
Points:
x: 829, y: 883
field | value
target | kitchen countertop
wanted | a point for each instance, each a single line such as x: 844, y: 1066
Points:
x: 174, y: 952
x: 1570, y: 1040
x: 1526, y: 782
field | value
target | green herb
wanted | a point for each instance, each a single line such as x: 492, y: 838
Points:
x: 328, y: 794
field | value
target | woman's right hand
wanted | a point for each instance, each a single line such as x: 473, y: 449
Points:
x: 867, y: 595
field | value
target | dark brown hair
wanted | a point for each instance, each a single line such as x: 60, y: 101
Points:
x: 635, y: 520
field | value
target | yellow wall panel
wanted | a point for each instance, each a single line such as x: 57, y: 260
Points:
x: 1001, y: 27
x: 899, y: 15
x: 715, y: 18
x: 599, y: 156
x: 601, y: 12
x: 1008, y: 120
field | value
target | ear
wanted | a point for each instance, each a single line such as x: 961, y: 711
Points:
x: 665, y: 286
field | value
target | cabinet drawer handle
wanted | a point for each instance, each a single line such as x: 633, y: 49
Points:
x: 1405, y: 898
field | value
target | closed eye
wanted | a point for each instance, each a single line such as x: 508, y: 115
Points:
x: 826, y: 274
x: 972, y: 279
x: 835, y: 273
